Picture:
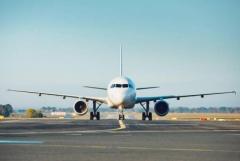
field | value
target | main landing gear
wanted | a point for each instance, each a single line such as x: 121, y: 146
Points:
x: 94, y: 113
x: 146, y: 114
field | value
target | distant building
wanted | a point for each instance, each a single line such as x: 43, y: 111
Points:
x: 58, y: 113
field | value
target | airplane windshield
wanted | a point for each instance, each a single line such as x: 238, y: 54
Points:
x: 118, y: 85
x: 121, y: 86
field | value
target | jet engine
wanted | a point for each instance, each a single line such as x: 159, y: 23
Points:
x: 80, y: 108
x: 161, y: 108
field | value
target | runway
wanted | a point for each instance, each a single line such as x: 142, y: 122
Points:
x: 111, y: 140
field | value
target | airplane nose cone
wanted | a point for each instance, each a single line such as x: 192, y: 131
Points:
x: 122, y: 98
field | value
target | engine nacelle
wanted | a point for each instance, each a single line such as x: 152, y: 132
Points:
x: 80, y: 108
x: 161, y: 108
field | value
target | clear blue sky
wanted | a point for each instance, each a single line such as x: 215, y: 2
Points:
x: 185, y: 47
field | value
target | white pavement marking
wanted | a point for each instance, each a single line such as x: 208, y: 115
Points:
x: 179, y: 149
x: 10, y: 121
x: 175, y: 131
x: 150, y: 124
x: 234, y: 134
x: 75, y: 134
x: 20, y: 142
x: 121, y: 124
x: 141, y: 148
x: 117, y: 130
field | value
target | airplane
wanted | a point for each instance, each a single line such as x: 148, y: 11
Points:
x: 122, y: 94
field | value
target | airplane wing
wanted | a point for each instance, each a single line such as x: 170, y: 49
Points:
x: 98, y: 99
x: 96, y: 87
x: 155, y: 98
x: 147, y: 88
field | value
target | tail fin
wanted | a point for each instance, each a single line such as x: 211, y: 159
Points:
x: 121, y: 71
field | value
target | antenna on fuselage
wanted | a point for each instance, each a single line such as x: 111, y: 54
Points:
x: 121, y: 71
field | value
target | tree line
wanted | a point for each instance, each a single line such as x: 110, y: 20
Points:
x: 7, y: 110
x: 206, y: 110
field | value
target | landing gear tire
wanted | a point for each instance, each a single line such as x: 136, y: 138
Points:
x: 150, y: 116
x: 91, y: 116
x: 121, y: 117
x: 98, y: 116
x: 146, y: 113
x: 143, y: 116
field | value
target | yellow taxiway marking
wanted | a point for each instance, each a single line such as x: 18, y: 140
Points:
x: 121, y: 124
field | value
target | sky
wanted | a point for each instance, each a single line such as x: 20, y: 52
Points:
x: 185, y: 47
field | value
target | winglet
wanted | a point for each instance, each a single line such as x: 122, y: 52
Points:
x: 235, y: 92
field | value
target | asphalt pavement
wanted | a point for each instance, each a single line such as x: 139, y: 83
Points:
x: 111, y: 140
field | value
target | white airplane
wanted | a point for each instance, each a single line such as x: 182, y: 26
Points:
x: 121, y: 94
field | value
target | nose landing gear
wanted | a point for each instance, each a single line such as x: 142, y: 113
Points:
x: 121, y: 115
x: 146, y: 114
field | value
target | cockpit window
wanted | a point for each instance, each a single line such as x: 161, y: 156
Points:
x: 118, y: 85
x: 121, y: 86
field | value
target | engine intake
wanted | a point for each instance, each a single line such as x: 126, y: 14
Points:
x: 161, y: 108
x: 80, y: 108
